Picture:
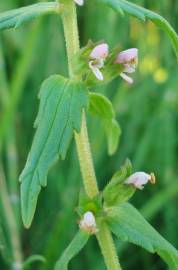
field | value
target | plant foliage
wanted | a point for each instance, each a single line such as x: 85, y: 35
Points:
x: 60, y: 112
x: 15, y: 18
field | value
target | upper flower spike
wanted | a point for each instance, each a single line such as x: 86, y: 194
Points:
x: 139, y: 179
x: 97, y: 56
x: 79, y: 2
x: 129, y: 60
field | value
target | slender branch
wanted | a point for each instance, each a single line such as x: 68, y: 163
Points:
x: 104, y: 237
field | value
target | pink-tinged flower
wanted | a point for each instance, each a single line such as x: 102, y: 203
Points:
x: 79, y: 2
x: 88, y: 223
x: 98, y: 56
x: 129, y: 60
x: 139, y: 179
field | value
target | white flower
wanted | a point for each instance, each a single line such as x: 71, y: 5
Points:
x: 98, y: 56
x: 139, y: 179
x: 79, y: 2
x: 129, y: 60
x: 88, y: 223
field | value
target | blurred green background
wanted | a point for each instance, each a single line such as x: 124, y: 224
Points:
x: 147, y: 112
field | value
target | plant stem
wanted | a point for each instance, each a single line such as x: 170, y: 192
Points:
x: 107, y: 246
x: 69, y: 18
x: 104, y: 236
x: 85, y: 159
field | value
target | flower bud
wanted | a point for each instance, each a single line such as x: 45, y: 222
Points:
x: 139, y: 179
x: 88, y: 223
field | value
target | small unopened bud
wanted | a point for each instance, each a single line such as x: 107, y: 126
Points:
x: 139, y: 179
x: 88, y: 223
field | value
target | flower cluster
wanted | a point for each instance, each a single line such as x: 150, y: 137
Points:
x: 88, y: 223
x: 128, y: 59
x: 139, y: 179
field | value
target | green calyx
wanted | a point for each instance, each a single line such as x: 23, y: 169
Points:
x: 116, y: 191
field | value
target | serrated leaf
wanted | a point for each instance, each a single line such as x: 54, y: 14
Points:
x: 15, y: 18
x: 143, y: 14
x: 73, y: 249
x: 103, y: 108
x: 60, y: 112
x: 128, y: 224
x: 116, y: 191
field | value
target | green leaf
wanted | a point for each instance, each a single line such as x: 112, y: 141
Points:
x: 32, y: 259
x: 60, y: 112
x: 73, y: 249
x: 113, y: 133
x: 103, y: 108
x: 116, y: 191
x: 143, y: 14
x: 129, y: 225
x: 16, y: 17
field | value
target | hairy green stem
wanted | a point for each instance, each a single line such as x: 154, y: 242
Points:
x: 107, y: 246
x: 85, y: 159
x: 104, y: 236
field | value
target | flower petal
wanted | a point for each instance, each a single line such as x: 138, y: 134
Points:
x: 128, y: 68
x: 127, y: 56
x: 138, y: 179
x: 126, y: 78
x: 89, y: 219
x: 100, y: 51
x: 88, y: 223
x: 98, y: 74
